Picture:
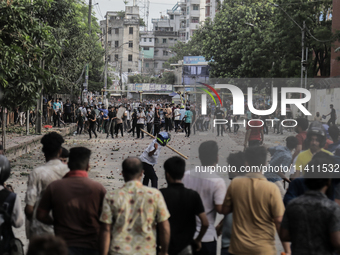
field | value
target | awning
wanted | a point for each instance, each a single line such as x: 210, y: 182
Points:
x: 173, y: 94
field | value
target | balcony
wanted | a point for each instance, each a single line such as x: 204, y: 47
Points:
x: 166, y: 33
x: 171, y: 12
x: 131, y: 22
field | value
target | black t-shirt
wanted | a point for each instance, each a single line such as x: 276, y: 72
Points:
x: 183, y: 204
x: 219, y: 114
x: 112, y: 114
x: 333, y: 114
x: 67, y: 108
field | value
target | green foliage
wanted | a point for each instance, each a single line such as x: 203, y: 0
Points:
x: 165, y: 78
x: 141, y: 23
x: 191, y: 48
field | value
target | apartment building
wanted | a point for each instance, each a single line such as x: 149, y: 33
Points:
x: 121, y: 38
x: 147, y: 49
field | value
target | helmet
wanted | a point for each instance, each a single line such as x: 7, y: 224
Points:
x: 163, y: 138
x: 316, y: 128
x: 5, y: 169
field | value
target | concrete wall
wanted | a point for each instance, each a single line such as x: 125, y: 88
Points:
x: 320, y: 101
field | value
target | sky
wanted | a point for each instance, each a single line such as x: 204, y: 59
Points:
x: 155, y: 7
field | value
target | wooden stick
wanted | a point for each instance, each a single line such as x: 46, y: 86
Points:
x: 165, y: 145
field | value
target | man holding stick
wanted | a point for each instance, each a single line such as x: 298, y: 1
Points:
x: 150, y: 156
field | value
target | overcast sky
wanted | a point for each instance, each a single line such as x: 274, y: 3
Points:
x: 155, y: 8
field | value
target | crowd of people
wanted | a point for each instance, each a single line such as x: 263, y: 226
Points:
x: 68, y: 213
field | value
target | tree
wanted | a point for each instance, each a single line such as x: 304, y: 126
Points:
x: 181, y: 49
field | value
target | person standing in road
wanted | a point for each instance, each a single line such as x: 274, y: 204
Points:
x: 92, y: 123
x: 332, y: 119
x: 254, y: 135
x: 112, y: 122
x: 184, y: 205
x: 187, y: 120
x: 149, y: 119
x: 150, y: 156
x: 131, y: 215
x: 67, y: 113
x: 56, y: 113
x: 219, y: 114
x: 157, y: 122
x: 140, y: 122
x: 38, y: 181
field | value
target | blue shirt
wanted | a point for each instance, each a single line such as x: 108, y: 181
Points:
x: 280, y: 156
x: 56, y: 106
x: 182, y: 112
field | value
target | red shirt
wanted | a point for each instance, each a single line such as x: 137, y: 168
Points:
x: 255, y: 133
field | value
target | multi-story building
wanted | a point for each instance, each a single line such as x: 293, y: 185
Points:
x: 121, y: 38
x: 193, y: 13
x: 147, y: 49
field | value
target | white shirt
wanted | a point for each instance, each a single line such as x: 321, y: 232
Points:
x: 141, y: 120
x: 212, y: 190
x: 127, y: 115
x: 154, y: 158
x: 177, y: 112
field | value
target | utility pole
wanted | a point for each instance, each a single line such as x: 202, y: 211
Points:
x: 106, y: 43
x: 87, y: 65
x: 120, y: 79
x: 302, y: 51
x: 38, y: 124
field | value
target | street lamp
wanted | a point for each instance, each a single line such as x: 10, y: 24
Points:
x: 303, y: 29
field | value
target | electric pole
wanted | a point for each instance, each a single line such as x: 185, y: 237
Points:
x: 106, y: 43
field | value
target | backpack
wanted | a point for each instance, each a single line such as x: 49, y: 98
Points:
x: 8, y: 243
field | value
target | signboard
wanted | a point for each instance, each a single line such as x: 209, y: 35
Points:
x: 146, y: 87
x: 194, y: 60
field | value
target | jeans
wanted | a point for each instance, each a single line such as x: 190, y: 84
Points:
x: 79, y: 128
x: 219, y: 127
x: 92, y: 128
x: 156, y: 129
x: 56, y: 117
x: 149, y: 174
x: 82, y: 251
x: 149, y: 127
x: 177, y: 123
x: 167, y: 124
x: 208, y: 248
x: 187, y: 129
x: 139, y: 127
x: 119, y: 127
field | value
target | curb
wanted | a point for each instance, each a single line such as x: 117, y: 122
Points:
x: 34, y: 143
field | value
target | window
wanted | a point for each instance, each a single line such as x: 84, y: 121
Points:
x: 116, y: 57
x: 194, y: 20
x: 187, y: 22
x: 195, y: 7
x: 171, y: 16
x: 188, y: 9
x: 109, y: 30
x: 130, y: 44
x: 207, y: 11
x: 156, y: 53
x: 156, y: 65
x: 117, y: 31
x: 116, y: 44
x: 146, y: 48
x: 144, y: 39
x: 171, y: 39
x: 130, y: 57
x: 164, y: 40
x: 147, y: 65
x: 156, y: 40
x: 165, y: 53
x: 109, y: 58
x: 187, y: 35
x: 130, y: 30
x: 109, y: 44
x: 150, y: 39
x: 129, y: 70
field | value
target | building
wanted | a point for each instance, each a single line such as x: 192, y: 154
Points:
x: 121, y: 38
x: 147, y: 49
x: 194, y: 13
x: 335, y: 63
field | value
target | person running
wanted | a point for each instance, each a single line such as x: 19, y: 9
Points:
x: 112, y: 122
x: 74, y: 221
x: 80, y: 122
x: 187, y: 120
x: 39, y: 179
x: 184, y: 205
x: 131, y: 215
x: 150, y: 156
x: 134, y: 122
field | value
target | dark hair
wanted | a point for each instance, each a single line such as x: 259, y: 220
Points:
x: 79, y: 158
x: 175, y: 167
x: 237, y: 160
x: 51, y: 144
x: 208, y: 153
x: 302, y: 123
x: 132, y: 167
x: 333, y: 132
x: 64, y: 153
x: 256, y: 155
x: 291, y: 142
x: 47, y: 245
x: 312, y: 180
